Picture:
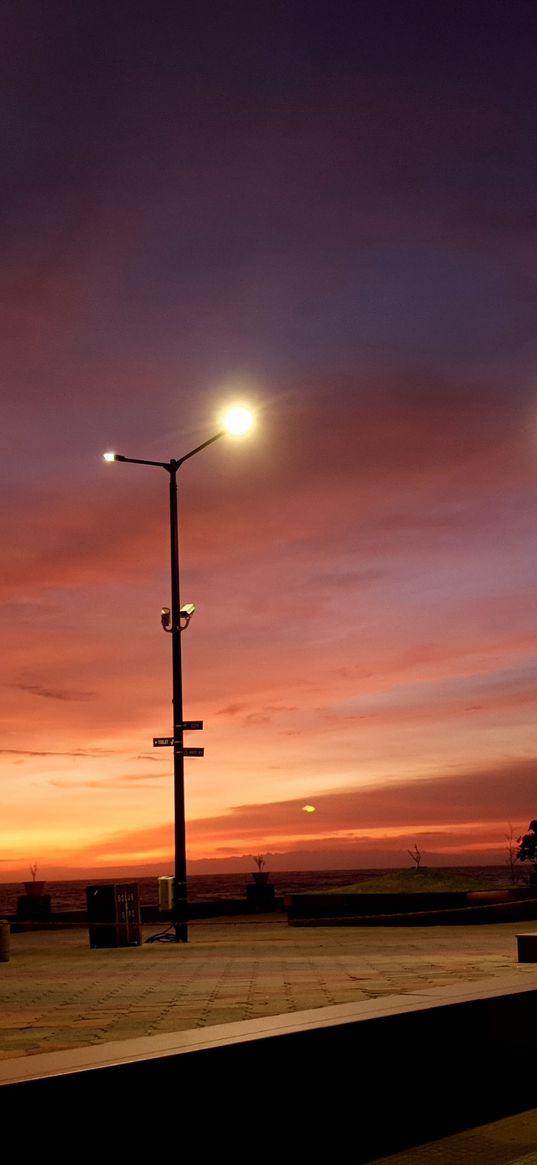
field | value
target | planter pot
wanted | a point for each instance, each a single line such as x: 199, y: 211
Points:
x: 261, y: 878
x: 34, y: 908
x: 34, y: 889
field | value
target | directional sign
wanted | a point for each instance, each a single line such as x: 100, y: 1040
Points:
x: 168, y: 741
x: 190, y: 725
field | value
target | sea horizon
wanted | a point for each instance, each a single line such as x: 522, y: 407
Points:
x: 70, y: 893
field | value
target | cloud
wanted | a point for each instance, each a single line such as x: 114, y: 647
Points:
x: 56, y: 544
x: 55, y: 693
x: 78, y: 752
x: 142, y: 780
x: 461, y: 817
x: 231, y: 709
x: 464, y: 798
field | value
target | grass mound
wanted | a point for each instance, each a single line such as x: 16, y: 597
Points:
x: 413, y: 882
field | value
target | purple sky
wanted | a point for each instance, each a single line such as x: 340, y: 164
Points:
x: 329, y: 209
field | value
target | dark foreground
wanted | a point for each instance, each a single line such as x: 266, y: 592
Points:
x: 320, y: 1041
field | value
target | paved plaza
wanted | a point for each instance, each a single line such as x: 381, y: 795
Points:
x: 56, y: 992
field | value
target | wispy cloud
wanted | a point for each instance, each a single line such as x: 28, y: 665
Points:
x: 77, y: 752
x: 146, y: 780
x: 56, y: 693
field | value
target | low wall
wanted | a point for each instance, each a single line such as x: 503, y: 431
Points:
x: 219, y: 908
x: 360, y: 1080
x: 428, y: 909
x: 339, y: 905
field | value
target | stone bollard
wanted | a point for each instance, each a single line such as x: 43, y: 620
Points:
x: 4, y: 940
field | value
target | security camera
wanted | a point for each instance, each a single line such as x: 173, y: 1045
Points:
x: 185, y: 614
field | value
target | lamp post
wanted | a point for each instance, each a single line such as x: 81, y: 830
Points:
x: 237, y: 421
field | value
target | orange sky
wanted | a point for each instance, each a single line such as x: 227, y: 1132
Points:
x: 363, y: 641
x: 356, y: 257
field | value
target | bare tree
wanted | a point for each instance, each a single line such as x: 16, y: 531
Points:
x: 512, y: 853
x: 416, y: 855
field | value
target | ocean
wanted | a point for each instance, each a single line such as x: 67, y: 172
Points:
x: 71, y: 895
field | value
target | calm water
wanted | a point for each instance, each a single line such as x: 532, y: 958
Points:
x: 210, y: 887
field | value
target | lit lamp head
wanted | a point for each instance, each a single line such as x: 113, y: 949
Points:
x: 238, y: 420
x: 113, y: 457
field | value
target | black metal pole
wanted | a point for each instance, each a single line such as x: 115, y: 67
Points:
x: 180, y: 903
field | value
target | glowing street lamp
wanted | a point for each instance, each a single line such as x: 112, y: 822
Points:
x: 237, y: 421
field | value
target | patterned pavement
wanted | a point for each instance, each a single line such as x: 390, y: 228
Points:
x: 56, y: 992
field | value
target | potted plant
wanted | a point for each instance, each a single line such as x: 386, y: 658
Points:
x: 261, y: 876
x: 34, y: 888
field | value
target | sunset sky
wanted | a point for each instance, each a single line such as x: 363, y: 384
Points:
x: 326, y: 208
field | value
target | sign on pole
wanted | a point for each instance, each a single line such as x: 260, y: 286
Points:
x: 168, y: 741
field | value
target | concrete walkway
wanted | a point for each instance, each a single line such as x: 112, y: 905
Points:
x: 57, y: 993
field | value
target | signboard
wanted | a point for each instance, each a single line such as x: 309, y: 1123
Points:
x: 168, y: 741
x: 190, y: 725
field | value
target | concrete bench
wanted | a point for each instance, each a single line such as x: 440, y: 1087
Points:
x: 527, y: 947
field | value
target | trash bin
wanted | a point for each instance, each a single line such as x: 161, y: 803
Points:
x: 4, y: 940
x: 114, y: 915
